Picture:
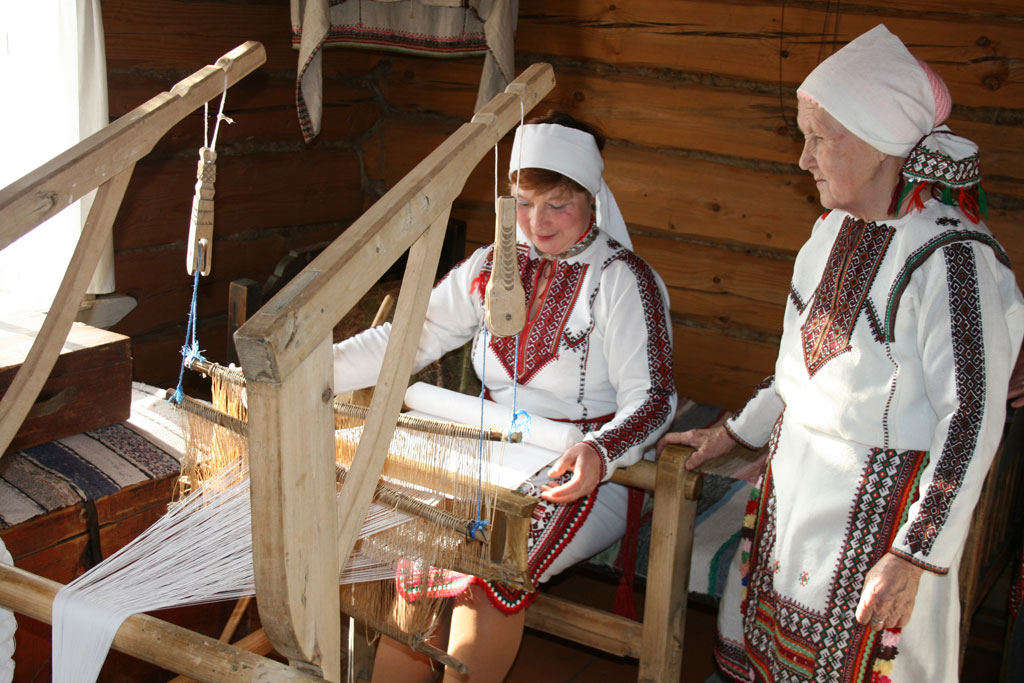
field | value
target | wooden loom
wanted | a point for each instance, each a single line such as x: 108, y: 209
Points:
x: 285, y: 350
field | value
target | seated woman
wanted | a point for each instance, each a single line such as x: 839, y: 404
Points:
x: 889, y: 393
x: 596, y: 350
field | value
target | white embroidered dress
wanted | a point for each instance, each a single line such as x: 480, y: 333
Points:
x: 598, y: 352
x: 884, y: 413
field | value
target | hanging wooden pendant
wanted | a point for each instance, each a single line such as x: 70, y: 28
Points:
x: 504, y: 298
x: 200, y: 230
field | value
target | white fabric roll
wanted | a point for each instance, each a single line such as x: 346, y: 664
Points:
x: 456, y: 407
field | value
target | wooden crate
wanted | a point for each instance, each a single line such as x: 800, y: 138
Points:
x: 90, y: 385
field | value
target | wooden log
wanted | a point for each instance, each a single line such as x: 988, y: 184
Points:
x: 152, y: 640
x: 324, y: 184
x: 740, y: 40
x: 719, y: 369
x: 169, y: 34
x: 640, y: 475
x: 263, y: 107
x: 672, y: 114
x: 256, y: 642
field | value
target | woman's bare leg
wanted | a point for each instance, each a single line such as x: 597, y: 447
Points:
x: 394, y: 661
x: 483, y: 638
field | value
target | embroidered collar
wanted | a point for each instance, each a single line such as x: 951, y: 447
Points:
x: 585, y: 241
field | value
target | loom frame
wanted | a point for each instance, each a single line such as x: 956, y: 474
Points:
x: 285, y: 351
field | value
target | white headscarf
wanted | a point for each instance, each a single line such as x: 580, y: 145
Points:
x: 574, y: 154
x: 894, y: 102
x: 877, y: 90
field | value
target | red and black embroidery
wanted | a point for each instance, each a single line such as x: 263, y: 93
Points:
x: 965, y: 425
x: 539, y: 340
x: 798, y: 302
x: 851, y: 268
x: 784, y: 638
x: 918, y: 258
x: 654, y: 411
x: 552, y: 528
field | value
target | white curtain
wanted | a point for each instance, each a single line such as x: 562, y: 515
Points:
x: 53, y: 86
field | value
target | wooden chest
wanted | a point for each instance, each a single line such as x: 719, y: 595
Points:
x: 90, y: 386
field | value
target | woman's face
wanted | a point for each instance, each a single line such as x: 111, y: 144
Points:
x: 850, y: 174
x: 553, y: 220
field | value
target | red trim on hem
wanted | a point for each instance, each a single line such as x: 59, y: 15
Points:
x: 735, y: 437
x: 919, y: 563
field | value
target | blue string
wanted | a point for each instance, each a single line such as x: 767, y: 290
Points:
x: 190, y: 351
x: 520, y: 418
x: 480, y: 523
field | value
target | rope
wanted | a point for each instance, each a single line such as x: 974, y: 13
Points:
x: 190, y: 351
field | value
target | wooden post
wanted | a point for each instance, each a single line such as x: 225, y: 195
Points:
x: 243, y: 300
x: 292, y: 478
x: 668, y: 573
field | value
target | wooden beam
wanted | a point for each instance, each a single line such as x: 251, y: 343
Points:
x: 67, y: 177
x: 585, y: 625
x: 328, y: 288
x: 292, y: 478
x: 34, y: 372
x: 152, y: 640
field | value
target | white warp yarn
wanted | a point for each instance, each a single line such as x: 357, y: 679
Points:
x: 199, y: 552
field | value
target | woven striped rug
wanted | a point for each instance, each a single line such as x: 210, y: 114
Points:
x: 94, y: 464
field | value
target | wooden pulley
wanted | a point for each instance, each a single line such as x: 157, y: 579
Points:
x: 504, y: 298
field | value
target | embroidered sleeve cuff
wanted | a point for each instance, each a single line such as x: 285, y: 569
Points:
x: 737, y: 438
x: 917, y: 562
x: 604, y: 460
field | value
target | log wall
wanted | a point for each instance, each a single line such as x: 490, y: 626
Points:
x: 696, y: 97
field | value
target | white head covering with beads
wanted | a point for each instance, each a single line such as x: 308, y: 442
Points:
x: 894, y: 102
x: 574, y: 154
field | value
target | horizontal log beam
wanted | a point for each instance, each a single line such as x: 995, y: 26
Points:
x: 152, y: 640
x: 69, y: 176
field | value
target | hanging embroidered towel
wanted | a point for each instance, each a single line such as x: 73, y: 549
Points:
x: 436, y: 28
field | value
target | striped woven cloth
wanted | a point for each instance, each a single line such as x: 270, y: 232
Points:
x: 720, y: 510
x: 93, y: 464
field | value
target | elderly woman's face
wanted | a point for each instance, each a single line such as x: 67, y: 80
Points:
x: 553, y: 220
x: 850, y: 174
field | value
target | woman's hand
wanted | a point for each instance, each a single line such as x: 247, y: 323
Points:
x: 586, y: 467
x: 890, y: 589
x: 710, y: 444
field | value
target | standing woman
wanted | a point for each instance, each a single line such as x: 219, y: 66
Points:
x: 596, y: 351
x: 889, y: 392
